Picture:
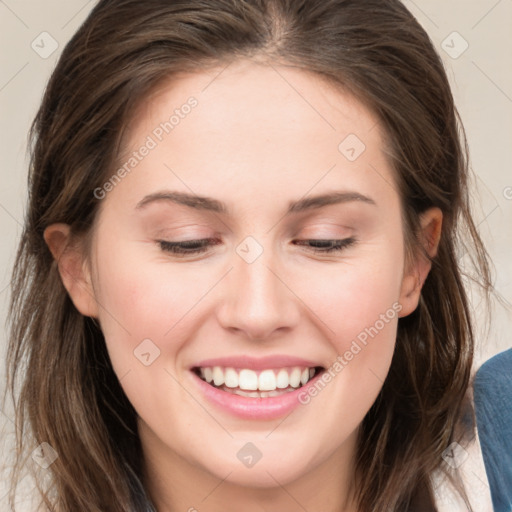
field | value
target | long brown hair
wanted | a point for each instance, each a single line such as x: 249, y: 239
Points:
x: 64, y: 388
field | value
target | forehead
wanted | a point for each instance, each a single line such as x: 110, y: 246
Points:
x: 253, y: 124
x: 245, y: 94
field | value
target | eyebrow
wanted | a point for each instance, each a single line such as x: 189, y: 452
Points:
x: 213, y: 205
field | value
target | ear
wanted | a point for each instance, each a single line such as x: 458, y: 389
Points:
x: 416, y: 273
x: 73, y: 268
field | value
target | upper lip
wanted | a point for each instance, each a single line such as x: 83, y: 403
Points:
x: 261, y: 363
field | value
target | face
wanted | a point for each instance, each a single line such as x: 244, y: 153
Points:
x: 255, y: 243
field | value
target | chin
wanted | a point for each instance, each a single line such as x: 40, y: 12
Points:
x: 271, y: 470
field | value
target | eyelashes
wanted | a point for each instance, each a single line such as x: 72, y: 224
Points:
x: 326, y: 245
x: 199, y: 246
x: 188, y: 246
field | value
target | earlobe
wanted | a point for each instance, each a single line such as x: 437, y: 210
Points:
x: 73, y: 267
x: 416, y: 275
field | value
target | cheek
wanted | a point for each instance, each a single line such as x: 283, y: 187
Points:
x: 142, y: 302
x: 359, y: 305
x: 139, y: 302
x: 353, y: 296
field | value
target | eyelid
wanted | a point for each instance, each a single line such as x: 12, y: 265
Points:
x: 184, y: 247
x: 192, y: 230
x: 325, y: 229
x: 202, y: 245
x: 337, y: 244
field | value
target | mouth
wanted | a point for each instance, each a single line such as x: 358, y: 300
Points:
x: 249, y: 383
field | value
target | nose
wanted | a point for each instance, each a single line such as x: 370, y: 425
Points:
x: 258, y: 299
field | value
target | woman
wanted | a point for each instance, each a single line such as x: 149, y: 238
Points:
x: 238, y: 287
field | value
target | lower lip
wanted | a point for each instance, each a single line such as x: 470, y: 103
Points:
x: 254, y: 408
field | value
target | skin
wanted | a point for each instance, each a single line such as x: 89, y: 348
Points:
x: 254, y: 143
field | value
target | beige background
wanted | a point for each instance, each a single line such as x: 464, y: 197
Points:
x: 481, y: 77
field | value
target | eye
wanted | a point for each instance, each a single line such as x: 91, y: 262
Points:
x: 191, y: 247
x: 188, y: 246
x: 326, y: 246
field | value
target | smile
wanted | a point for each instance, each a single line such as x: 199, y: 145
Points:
x: 257, y: 384
x: 255, y: 388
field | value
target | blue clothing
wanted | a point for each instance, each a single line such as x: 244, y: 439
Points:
x: 493, y: 408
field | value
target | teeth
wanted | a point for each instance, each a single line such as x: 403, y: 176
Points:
x: 231, y: 378
x: 250, y: 383
x: 208, y: 374
x: 256, y: 394
x: 248, y: 380
x: 267, y: 381
x: 218, y: 376
x: 282, y: 379
x: 295, y: 377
